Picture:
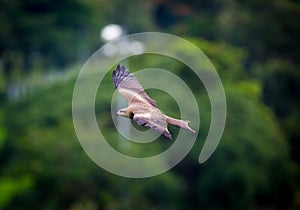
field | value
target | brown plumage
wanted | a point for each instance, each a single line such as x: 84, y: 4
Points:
x: 141, y: 108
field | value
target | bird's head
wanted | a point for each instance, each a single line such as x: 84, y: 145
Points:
x: 124, y: 113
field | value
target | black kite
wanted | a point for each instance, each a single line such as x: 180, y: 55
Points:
x: 141, y: 108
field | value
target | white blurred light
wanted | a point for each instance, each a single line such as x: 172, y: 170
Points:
x: 111, y: 32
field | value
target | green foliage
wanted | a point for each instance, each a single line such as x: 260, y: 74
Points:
x: 2, y: 136
x: 281, y: 92
x: 251, y: 150
x: 3, y: 132
x: 11, y: 187
x: 264, y: 28
x: 228, y: 60
x: 243, y: 171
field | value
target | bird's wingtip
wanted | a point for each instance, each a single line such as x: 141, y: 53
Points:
x: 118, y: 74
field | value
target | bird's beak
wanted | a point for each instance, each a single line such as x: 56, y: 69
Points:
x: 118, y: 113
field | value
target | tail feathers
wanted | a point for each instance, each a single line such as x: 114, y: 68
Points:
x: 180, y: 123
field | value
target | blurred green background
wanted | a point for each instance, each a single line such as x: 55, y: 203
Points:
x: 255, y: 47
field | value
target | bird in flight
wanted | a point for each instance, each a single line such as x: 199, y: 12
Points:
x: 141, y: 108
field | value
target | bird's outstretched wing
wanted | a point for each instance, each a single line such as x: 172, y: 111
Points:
x: 154, y: 120
x: 128, y: 86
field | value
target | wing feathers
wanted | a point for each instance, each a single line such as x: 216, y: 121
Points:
x: 159, y: 123
x: 133, y: 90
x: 119, y: 74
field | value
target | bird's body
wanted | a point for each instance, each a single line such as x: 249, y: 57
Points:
x: 141, y: 108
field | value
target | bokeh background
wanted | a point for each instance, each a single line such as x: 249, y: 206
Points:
x: 255, y: 47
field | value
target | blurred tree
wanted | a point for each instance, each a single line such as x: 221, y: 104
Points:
x: 134, y: 17
x: 242, y: 23
x: 41, y: 29
x: 282, y: 93
x: 243, y: 171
